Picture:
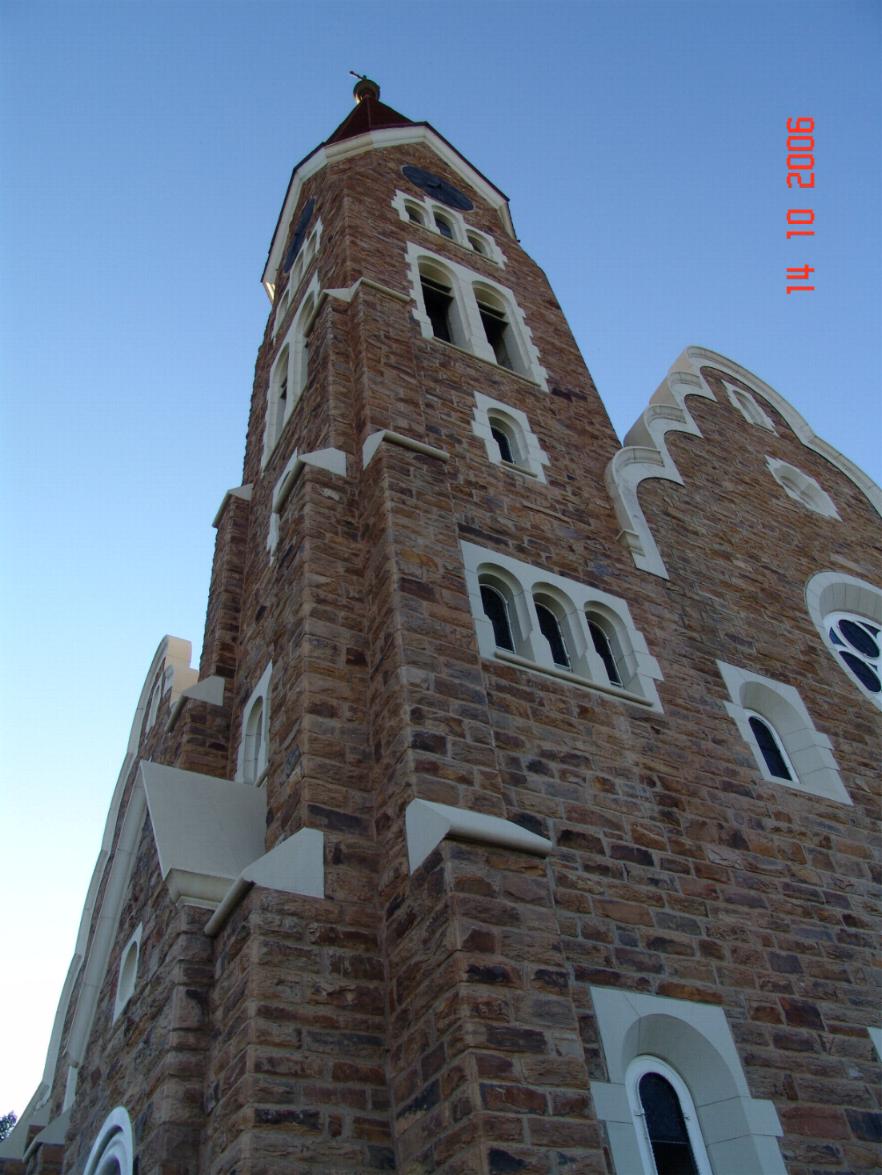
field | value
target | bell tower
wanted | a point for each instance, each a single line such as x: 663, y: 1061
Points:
x: 519, y: 816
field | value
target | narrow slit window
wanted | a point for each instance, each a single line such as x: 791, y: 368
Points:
x: 549, y: 626
x: 666, y: 1126
x: 603, y: 648
x: 496, y: 611
x: 770, y: 748
x: 438, y: 301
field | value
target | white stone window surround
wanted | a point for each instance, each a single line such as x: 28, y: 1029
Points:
x: 113, y: 1152
x: 253, y: 755
x: 739, y: 1132
x: 290, y: 369
x: 808, y: 750
x: 638, y: 1069
x: 802, y: 488
x: 749, y: 407
x: 528, y: 453
x: 831, y: 592
x: 427, y: 208
x: 519, y: 583
x: 465, y: 287
x: 295, y: 276
x: 128, y: 971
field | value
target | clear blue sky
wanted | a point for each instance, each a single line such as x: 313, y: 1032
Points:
x: 146, y: 147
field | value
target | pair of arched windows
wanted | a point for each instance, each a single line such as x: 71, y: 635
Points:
x: 289, y: 371
x: 459, y: 306
x: 450, y: 323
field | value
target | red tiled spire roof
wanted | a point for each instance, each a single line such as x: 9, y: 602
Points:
x: 370, y: 114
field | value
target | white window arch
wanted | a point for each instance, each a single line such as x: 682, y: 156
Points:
x: 253, y: 757
x: 692, y: 1042
x: 534, y: 644
x: 128, y: 971
x: 807, y: 753
x: 656, y: 1091
x: 289, y: 371
x: 113, y: 1152
x: 749, y: 407
x: 847, y: 613
x: 448, y: 223
x: 492, y: 417
x: 802, y: 488
x: 457, y: 305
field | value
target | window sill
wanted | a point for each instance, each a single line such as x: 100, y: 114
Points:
x: 527, y: 379
x: 599, y: 687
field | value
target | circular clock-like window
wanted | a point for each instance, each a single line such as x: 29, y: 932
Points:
x: 858, y: 644
x: 438, y: 188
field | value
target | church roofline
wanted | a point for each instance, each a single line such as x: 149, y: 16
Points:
x: 334, y: 149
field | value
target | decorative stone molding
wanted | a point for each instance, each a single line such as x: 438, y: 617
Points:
x: 332, y: 460
x: 802, y: 488
x: 113, y: 1152
x: 210, y: 691
x: 740, y: 1132
x: 809, y: 751
x: 372, y: 141
x: 242, y: 492
x: 830, y: 592
x: 645, y: 453
x: 427, y: 824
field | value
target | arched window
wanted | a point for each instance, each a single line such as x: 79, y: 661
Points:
x: 847, y: 613
x: 669, y: 1136
x: 494, y: 319
x: 445, y: 228
x: 507, y: 436
x: 770, y: 747
x: 437, y: 290
x: 113, y: 1152
x: 749, y: 408
x: 676, y: 1101
x: 858, y: 644
x: 253, y: 757
x: 128, y: 972
x: 495, y: 608
x: 551, y: 624
x: 254, y: 742
x: 289, y: 371
x: 155, y: 698
x: 606, y: 645
x: 414, y: 213
x: 477, y: 244
x: 787, y: 747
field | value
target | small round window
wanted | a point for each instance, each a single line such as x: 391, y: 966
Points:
x: 858, y: 644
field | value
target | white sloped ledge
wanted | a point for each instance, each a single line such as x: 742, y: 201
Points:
x: 374, y: 441
x: 427, y: 824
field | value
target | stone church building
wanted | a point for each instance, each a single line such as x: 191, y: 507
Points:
x: 520, y: 814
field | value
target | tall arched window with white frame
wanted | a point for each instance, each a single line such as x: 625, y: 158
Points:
x: 668, y: 1133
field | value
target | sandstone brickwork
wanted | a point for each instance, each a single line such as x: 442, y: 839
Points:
x: 441, y: 1019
